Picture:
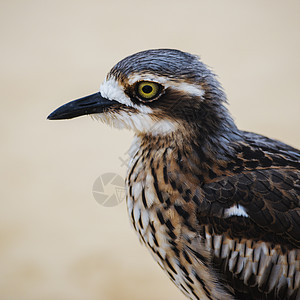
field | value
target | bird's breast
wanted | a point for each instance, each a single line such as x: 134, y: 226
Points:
x: 164, y: 223
x: 145, y: 210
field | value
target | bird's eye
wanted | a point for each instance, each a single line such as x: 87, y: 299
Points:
x: 147, y: 90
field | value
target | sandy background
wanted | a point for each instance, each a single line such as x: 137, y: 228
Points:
x: 56, y: 241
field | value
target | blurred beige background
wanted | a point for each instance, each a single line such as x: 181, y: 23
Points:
x: 56, y: 241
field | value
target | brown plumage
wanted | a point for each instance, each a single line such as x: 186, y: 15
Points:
x: 217, y: 207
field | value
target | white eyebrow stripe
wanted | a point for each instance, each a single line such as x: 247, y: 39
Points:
x: 190, y: 89
x: 236, y: 210
x: 147, y: 77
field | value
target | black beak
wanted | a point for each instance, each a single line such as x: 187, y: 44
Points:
x: 91, y: 104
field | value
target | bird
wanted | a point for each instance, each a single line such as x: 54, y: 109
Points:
x: 217, y: 207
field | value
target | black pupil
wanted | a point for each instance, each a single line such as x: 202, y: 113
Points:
x: 147, y: 89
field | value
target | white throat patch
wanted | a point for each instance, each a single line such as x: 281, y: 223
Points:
x: 138, y: 122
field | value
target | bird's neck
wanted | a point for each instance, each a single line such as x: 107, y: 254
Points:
x: 192, y: 141
x: 209, y: 128
x: 195, y: 159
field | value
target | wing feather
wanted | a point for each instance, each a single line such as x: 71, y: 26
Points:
x: 254, y: 210
x: 272, y: 206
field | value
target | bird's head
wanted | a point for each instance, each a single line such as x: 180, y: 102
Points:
x: 156, y: 92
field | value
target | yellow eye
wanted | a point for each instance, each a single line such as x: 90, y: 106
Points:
x: 148, y: 90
